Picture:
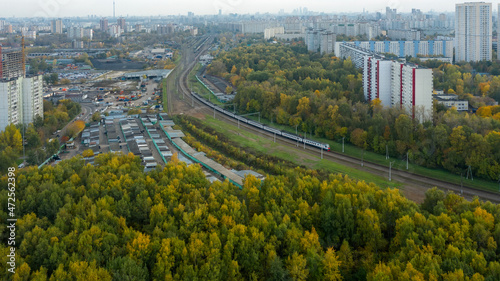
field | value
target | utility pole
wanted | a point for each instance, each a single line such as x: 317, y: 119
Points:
x: 214, y: 112
x: 390, y: 170
x: 461, y: 183
x: 469, y: 171
x: 321, y: 152
x: 343, y: 138
x: 407, y: 153
x: 386, y: 152
x: 274, y: 135
x: 362, y: 157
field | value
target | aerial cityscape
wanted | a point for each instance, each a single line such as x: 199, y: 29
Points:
x: 237, y: 140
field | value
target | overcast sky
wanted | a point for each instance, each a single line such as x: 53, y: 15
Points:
x: 69, y: 8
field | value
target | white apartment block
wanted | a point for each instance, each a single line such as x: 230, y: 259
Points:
x: 320, y: 40
x: 32, y: 98
x: 56, y: 26
x: 473, y: 31
x: 21, y: 100
x: 396, y: 84
x: 375, y: 86
x: 75, y: 32
x: 441, y: 48
x: 89, y: 33
x: 115, y: 31
x: 273, y: 31
x: 498, y: 37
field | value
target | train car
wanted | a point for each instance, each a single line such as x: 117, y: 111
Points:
x: 272, y: 130
x: 290, y: 136
x: 317, y: 144
x: 242, y: 119
x: 260, y: 126
x: 255, y: 124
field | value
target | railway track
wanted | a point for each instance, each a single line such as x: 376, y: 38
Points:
x: 408, y: 179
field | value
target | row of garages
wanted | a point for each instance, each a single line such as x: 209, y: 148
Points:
x: 137, y: 143
x: 149, y: 122
x: 90, y: 135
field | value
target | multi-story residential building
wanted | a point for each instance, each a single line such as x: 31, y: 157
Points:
x: 122, y: 24
x: 401, y: 85
x: 320, y: 40
x: 32, y: 98
x: 356, y: 29
x: 441, y: 48
x: 21, y: 100
x: 404, y: 34
x: 10, y: 103
x: 273, y: 31
x: 89, y: 33
x: 115, y: 31
x: 11, y: 65
x: 29, y: 34
x: 103, y: 25
x: 56, y: 26
x: 473, y: 31
x: 374, y: 85
x: 498, y: 37
x: 356, y: 54
x: 75, y: 32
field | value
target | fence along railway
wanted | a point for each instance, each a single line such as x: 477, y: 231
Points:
x: 380, y: 170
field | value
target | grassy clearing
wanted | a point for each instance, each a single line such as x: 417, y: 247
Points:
x: 265, y: 145
x: 399, y: 163
x: 199, y: 88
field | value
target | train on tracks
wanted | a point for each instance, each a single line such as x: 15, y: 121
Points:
x: 260, y: 126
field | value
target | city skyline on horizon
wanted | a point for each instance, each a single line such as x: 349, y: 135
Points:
x: 79, y: 8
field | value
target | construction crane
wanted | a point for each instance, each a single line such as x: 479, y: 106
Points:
x: 23, y: 55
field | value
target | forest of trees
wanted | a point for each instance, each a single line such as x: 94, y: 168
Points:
x: 323, y: 96
x: 40, y: 142
x: 112, y: 221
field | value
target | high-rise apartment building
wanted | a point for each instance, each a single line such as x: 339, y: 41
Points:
x: 75, y: 32
x: 498, y: 37
x: 32, y: 98
x: 320, y: 40
x: 56, y: 26
x: 432, y: 48
x: 473, y: 31
x: 11, y: 65
x: 400, y: 85
x: 122, y: 24
x: 103, y: 24
x: 21, y: 100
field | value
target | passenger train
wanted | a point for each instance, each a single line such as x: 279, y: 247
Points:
x: 294, y: 137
